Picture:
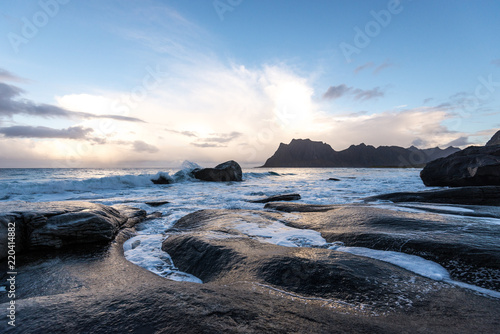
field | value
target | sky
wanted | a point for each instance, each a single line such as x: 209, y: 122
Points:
x: 152, y: 83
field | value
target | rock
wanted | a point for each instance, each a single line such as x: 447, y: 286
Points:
x: 60, y: 224
x: 157, y: 203
x: 308, y: 153
x: 487, y: 195
x: 473, y: 166
x: 274, y: 289
x: 333, y: 179
x: 312, y: 272
x: 495, y: 140
x: 162, y: 180
x: 227, y: 171
x: 467, y: 248
x: 277, y: 198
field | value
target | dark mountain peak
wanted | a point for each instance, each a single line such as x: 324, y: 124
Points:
x: 495, y: 140
x: 308, y: 153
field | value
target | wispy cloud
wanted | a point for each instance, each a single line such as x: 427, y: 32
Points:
x: 217, y: 139
x: 11, y: 104
x: 141, y: 146
x: 335, y: 92
x: 363, y: 67
x: 382, y: 67
x: 8, y: 76
x: 76, y: 132
x: 461, y: 141
x: 371, y: 64
x: 496, y: 62
x: 183, y: 133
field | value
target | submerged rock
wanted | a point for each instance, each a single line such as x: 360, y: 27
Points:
x: 227, y: 171
x: 277, y: 198
x: 473, y: 166
x: 156, y: 203
x: 333, y: 179
x: 55, y: 225
x: 162, y: 180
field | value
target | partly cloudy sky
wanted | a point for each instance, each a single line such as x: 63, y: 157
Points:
x: 153, y: 83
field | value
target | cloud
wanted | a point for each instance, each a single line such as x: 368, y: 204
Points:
x: 141, y: 146
x: 382, y: 67
x: 370, y: 64
x: 496, y: 62
x: 8, y: 76
x: 184, y: 133
x: 76, y: 132
x: 335, y: 92
x: 461, y: 141
x: 10, y: 105
x: 363, y: 95
x: 363, y: 67
x: 423, y: 127
x: 205, y: 145
x: 217, y: 139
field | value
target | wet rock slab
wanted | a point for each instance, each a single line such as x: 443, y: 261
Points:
x: 487, y: 195
x: 464, y: 240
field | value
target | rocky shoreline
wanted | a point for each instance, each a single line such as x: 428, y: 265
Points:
x: 253, y: 286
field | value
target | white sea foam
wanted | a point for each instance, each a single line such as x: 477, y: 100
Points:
x: 145, y: 251
x: 280, y: 234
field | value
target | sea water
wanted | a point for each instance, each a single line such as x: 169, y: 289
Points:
x: 134, y: 187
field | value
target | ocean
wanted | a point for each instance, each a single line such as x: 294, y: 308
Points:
x: 133, y: 187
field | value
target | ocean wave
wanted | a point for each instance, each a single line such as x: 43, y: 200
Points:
x: 255, y: 175
x: 114, y: 182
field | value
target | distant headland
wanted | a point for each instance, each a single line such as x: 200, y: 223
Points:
x: 307, y: 153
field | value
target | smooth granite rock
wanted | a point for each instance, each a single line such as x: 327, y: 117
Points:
x: 276, y: 198
x: 487, y: 195
x: 55, y: 225
x: 460, y: 240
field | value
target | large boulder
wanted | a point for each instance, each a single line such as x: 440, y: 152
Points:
x: 473, y: 166
x: 495, y: 140
x: 227, y: 171
x: 44, y: 225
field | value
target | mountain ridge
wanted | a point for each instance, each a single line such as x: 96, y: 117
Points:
x: 307, y: 153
